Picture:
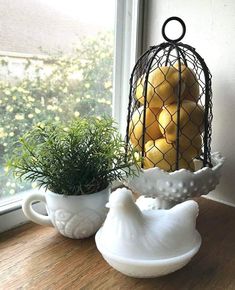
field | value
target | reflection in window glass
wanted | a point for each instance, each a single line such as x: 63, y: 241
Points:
x: 56, y: 59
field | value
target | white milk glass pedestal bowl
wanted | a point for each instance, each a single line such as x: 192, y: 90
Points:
x: 178, y: 186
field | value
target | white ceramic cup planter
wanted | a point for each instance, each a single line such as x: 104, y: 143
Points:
x: 74, y: 216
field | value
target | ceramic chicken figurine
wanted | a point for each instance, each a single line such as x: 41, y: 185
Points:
x: 151, y: 234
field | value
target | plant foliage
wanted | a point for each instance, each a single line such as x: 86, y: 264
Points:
x: 80, y: 157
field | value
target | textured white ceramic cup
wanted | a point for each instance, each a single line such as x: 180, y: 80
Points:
x: 74, y: 216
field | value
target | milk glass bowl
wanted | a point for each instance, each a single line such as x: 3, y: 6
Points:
x: 175, y: 187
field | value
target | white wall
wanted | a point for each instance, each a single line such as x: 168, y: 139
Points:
x: 211, y: 30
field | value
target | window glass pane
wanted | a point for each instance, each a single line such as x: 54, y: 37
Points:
x: 56, y: 62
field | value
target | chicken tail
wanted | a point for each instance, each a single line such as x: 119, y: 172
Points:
x: 189, y: 208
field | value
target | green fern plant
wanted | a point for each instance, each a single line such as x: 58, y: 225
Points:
x: 81, y: 157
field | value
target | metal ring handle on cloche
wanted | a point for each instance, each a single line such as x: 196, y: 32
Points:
x: 183, y: 29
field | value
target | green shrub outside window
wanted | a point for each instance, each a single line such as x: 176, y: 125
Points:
x: 58, y: 88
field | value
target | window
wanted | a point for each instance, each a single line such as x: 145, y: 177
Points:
x: 57, y: 61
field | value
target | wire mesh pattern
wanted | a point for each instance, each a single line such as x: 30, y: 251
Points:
x: 170, y: 107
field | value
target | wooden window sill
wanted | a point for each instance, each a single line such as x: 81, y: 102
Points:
x: 37, y: 257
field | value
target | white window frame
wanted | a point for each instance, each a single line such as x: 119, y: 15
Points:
x: 128, y: 46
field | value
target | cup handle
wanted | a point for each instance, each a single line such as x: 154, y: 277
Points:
x: 31, y: 214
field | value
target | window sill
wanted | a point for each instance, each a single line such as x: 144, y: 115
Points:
x: 38, y: 257
x: 11, y: 214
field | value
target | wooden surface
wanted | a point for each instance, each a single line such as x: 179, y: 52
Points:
x: 37, y: 257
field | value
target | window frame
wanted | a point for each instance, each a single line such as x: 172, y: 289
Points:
x: 127, y: 47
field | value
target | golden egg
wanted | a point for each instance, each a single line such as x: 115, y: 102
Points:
x: 136, y: 127
x: 190, y: 121
x: 162, y: 89
x: 160, y: 153
x: 191, y: 84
